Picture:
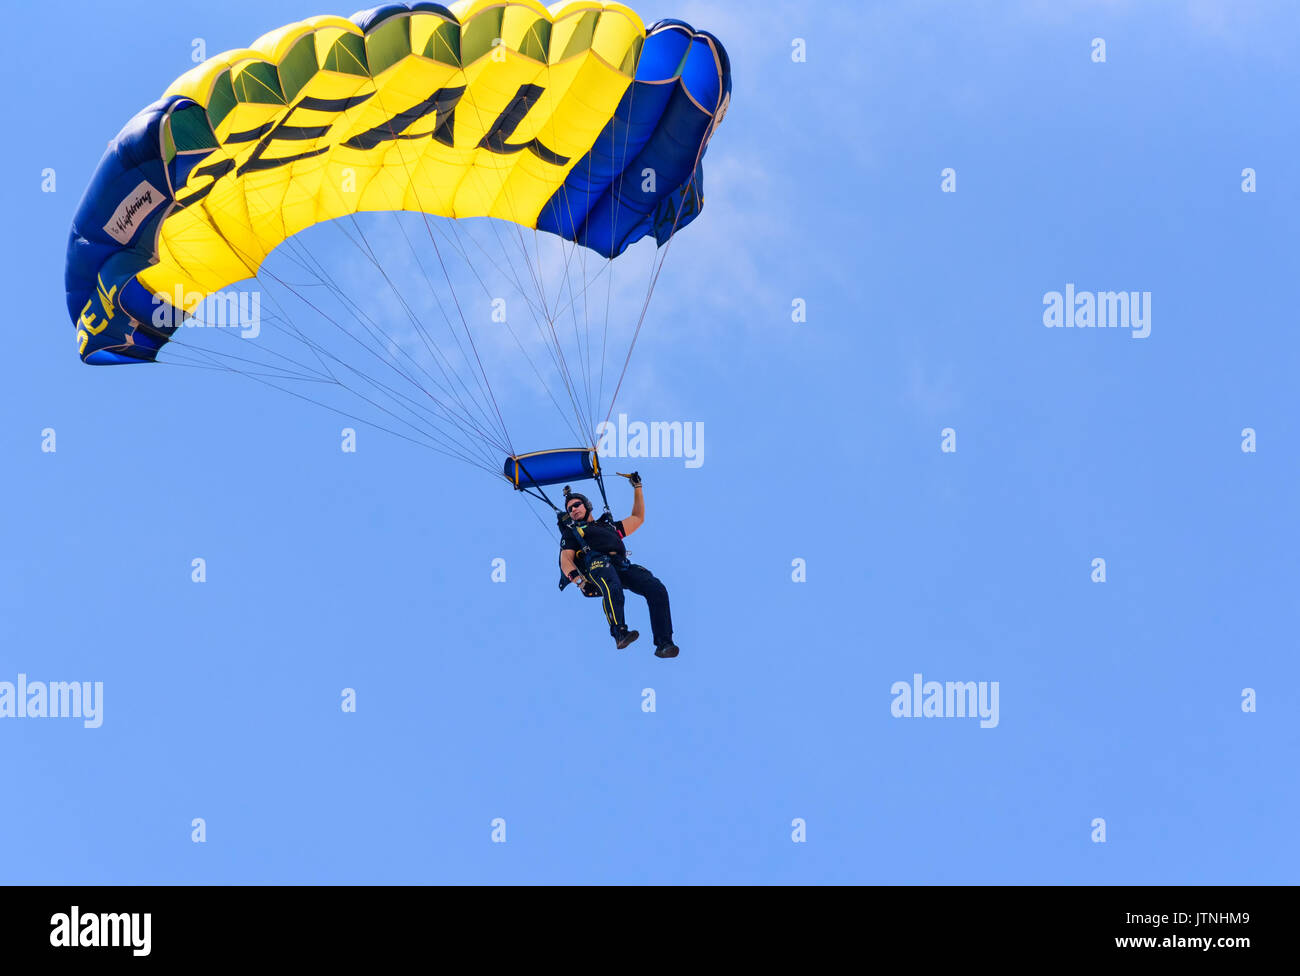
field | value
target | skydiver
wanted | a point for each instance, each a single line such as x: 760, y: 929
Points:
x: 608, y: 572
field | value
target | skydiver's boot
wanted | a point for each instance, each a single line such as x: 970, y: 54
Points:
x: 623, y: 637
x: 668, y: 649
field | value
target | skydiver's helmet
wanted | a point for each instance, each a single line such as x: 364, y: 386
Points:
x: 571, y: 495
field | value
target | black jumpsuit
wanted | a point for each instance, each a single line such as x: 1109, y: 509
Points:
x: 612, y: 572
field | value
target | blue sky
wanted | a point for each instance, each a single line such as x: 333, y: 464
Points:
x: 479, y: 700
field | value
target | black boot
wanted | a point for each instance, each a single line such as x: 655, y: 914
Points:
x: 667, y: 649
x: 624, y: 637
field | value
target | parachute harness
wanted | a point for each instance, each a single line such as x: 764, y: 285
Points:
x: 563, y: 519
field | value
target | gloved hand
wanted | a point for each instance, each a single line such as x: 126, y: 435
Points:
x: 634, y: 478
x: 588, y: 587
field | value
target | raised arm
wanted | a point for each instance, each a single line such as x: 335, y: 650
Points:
x: 637, y: 518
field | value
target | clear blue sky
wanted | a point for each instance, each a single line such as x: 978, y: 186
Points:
x: 479, y: 700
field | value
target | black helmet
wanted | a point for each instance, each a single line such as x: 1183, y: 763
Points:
x: 570, y: 495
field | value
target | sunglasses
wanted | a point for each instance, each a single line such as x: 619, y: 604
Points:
x: 575, y: 505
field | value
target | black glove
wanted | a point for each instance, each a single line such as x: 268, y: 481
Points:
x: 635, y: 478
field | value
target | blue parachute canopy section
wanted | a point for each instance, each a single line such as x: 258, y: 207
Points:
x: 551, y: 467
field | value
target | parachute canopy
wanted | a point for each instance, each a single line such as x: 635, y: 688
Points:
x: 387, y: 175
x: 576, y: 121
